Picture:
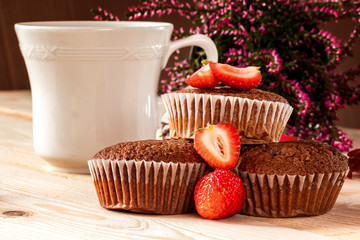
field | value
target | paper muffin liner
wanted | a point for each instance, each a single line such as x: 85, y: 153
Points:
x: 256, y: 121
x: 146, y: 186
x: 291, y: 195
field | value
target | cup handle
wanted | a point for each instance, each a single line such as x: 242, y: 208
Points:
x: 195, y: 40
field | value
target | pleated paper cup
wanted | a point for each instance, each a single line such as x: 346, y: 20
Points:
x: 256, y: 121
x: 146, y: 186
x: 291, y: 195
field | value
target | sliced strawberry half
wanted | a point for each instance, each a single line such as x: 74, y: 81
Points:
x: 239, y: 78
x: 285, y: 138
x: 218, y: 145
x: 203, y: 78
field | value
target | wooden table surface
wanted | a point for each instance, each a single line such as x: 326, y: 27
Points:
x: 39, y: 204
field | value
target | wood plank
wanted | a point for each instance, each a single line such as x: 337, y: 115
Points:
x: 66, y: 208
x: 16, y: 103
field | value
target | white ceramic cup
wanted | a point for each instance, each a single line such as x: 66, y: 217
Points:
x: 95, y: 83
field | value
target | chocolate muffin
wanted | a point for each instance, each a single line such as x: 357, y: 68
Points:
x: 259, y: 116
x: 150, y: 176
x: 288, y: 179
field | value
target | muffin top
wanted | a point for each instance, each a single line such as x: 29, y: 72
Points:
x: 168, y: 150
x: 253, y: 94
x: 293, y: 157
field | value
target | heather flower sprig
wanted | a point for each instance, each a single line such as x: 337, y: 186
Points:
x: 298, y: 58
x: 103, y: 15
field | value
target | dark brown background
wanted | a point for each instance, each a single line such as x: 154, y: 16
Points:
x: 13, y: 73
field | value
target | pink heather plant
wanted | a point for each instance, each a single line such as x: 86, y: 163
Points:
x: 298, y: 59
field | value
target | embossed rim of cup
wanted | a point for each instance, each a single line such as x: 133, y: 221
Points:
x: 76, y: 25
x: 51, y: 46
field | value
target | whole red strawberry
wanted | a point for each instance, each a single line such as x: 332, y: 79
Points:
x: 219, y: 194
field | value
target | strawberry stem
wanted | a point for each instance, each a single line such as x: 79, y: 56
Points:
x: 206, y: 62
x: 236, y: 169
x: 208, y: 127
x: 193, y: 132
x: 238, y: 163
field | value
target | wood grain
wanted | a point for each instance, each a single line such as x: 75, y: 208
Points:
x: 63, y: 208
x: 38, y: 204
x: 16, y: 103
